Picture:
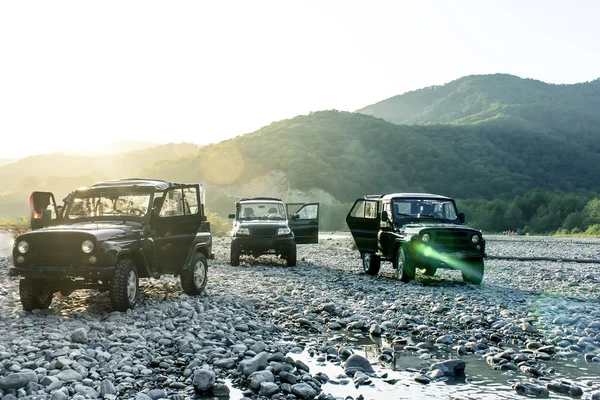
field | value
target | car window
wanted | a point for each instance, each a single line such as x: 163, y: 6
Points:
x: 173, y: 204
x: 308, y: 212
x: 261, y: 210
x: 364, y: 209
x: 190, y: 196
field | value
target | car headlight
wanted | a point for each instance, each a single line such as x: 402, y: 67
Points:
x: 426, y: 237
x: 242, y: 232
x: 87, y: 246
x: 475, y: 238
x: 23, y: 246
x: 284, y: 231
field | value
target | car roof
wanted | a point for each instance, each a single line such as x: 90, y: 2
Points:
x: 261, y: 199
x: 154, y: 184
x: 389, y: 196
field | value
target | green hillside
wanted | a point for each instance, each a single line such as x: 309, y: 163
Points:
x: 350, y: 154
x: 501, y: 100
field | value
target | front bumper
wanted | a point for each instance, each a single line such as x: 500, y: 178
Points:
x: 252, y: 245
x: 450, y: 260
x: 57, y: 273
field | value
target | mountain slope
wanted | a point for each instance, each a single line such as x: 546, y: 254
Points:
x: 526, y: 103
x: 351, y: 154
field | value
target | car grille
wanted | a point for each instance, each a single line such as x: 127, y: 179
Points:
x: 264, y: 231
x: 55, y: 248
x: 450, y: 240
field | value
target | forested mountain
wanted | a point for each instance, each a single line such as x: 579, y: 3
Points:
x: 351, y: 154
x: 501, y: 100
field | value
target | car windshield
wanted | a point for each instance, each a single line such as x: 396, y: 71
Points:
x: 90, y: 204
x: 261, y: 210
x: 431, y: 209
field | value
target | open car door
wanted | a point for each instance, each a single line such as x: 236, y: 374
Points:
x: 44, y: 212
x: 175, y: 222
x: 304, y: 222
x: 364, y: 225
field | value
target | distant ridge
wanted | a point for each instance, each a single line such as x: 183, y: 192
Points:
x: 523, y: 103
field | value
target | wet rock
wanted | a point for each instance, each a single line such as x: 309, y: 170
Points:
x: 422, y: 378
x: 303, y: 391
x: 356, y: 362
x: 107, y: 387
x: 256, y: 378
x: 530, y: 389
x: 256, y: 363
x: 268, y: 389
x: 450, y: 367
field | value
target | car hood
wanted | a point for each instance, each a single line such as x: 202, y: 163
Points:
x: 417, y: 227
x: 101, y: 230
x: 262, y: 223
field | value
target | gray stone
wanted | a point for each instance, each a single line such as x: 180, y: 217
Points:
x: 69, y: 375
x: 203, y: 380
x: 450, y: 367
x: 258, y: 377
x: 86, y: 391
x: 142, y: 396
x: 356, y: 362
x: 59, y: 395
x: 17, y: 380
x: 156, y: 394
x: 530, y: 389
x: 303, y: 391
x: 79, y: 336
x: 220, y: 390
x: 268, y: 389
x: 107, y: 387
x: 256, y: 363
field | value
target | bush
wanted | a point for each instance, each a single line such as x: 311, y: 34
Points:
x: 218, y: 226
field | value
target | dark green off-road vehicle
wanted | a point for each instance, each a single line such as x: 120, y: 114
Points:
x: 263, y: 225
x: 109, y: 235
x: 415, y: 231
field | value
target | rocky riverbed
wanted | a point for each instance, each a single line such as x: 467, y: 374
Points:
x: 321, y: 330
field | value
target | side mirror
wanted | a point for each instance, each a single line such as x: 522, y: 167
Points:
x: 231, y: 215
x: 384, y: 216
x: 461, y: 218
x: 295, y: 217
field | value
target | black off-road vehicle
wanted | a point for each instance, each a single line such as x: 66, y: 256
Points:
x: 261, y: 226
x: 109, y: 235
x: 415, y: 231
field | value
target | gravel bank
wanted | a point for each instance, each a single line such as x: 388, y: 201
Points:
x: 526, y: 320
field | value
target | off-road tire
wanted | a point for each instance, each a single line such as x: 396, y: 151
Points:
x: 235, y: 256
x: 473, y: 272
x: 194, y: 275
x: 371, y: 263
x: 429, y: 271
x: 124, y: 287
x: 291, y: 257
x: 404, y: 265
x: 34, y: 295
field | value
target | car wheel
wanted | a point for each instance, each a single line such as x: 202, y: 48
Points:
x: 235, y: 256
x: 472, y: 272
x: 195, y: 275
x: 404, y: 265
x: 124, y: 287
x: 291, y: 257
x: 371, y: 263
x: 429, y: 271
x: 34, y: 295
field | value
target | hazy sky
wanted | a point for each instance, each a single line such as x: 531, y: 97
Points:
x: 76, y: 74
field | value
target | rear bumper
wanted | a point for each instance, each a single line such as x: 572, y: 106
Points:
x: 58, y: 273
x: 250, y: 245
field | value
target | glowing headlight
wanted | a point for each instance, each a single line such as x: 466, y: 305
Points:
x: 242, y: 232
x: 426, y: 237
x: 87, y: 246
x: 23, y: 246
x: 283, y: 231
x: 475, y: 238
